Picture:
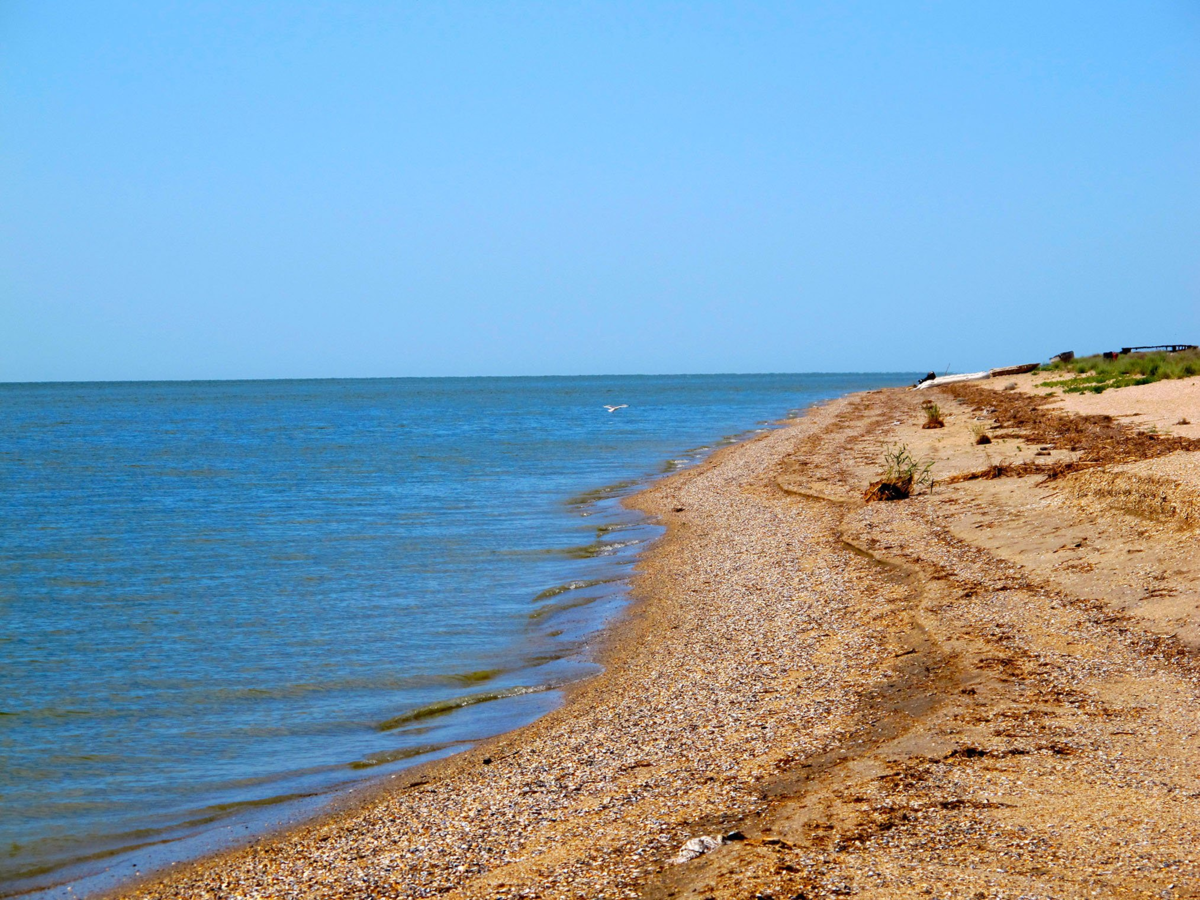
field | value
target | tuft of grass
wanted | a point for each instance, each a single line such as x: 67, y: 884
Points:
x: 902, y: 474
x: 933, y: 415
x: 1095, y: 374
x: 981, y: 435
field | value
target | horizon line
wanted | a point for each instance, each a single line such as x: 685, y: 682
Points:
x: 235, y: 380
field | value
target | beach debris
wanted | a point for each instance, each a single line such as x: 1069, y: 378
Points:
x: 978, y: 376
x: 953, y: 379
x: 902, y: 473
x: 1075, y: 546
x: 699, y: 846
x: 1012, y: 370
x: 900, y: 489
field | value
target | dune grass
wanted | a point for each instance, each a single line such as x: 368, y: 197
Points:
x: 1095, y: 374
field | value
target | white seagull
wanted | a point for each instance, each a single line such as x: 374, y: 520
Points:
x: 612, y: 409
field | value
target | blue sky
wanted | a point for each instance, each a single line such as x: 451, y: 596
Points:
x: 241, y: 189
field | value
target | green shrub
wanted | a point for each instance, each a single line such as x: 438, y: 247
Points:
x: 902, y: 474
x: 1096, y: 374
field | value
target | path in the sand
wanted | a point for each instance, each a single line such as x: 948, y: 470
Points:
x: 877, y: 705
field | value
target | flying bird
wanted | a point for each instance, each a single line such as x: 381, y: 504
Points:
x: 615, y: 408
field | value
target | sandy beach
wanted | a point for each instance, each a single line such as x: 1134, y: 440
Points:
x: 986, y: 691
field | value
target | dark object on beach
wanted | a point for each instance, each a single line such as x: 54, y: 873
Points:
x: 900, y: 489
x: 1168, y: 348
x: 1110, y: 354
x: 733, y: 836
x: 1066, y: 356
x: 1022, y: 369
x: 929, y: 377
x: 678, y: 509
x: 487, y: 760
x: 983, y: 439
x: 1183, y: 421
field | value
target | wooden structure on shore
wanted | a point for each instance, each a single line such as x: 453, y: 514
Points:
x: 1167, y: 348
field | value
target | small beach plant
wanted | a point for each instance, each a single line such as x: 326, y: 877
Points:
x: 903, y: 473
x: 979, y: 430
x: 933, y: 415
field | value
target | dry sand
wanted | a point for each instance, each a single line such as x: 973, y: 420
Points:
x: 985, y: 692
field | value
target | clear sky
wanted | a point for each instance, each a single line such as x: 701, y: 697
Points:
x: 232, y: 189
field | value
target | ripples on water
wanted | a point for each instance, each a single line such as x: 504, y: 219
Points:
x: 215, y: 595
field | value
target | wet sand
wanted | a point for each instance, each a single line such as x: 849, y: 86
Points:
x: 987, y: 691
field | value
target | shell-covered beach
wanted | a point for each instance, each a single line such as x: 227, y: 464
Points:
x: 989, y: 690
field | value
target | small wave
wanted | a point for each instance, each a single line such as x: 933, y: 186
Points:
x: 477, y: 677
x: 224, y: 808
x: 11, y: 876
x: 601, y: 493
x: 571, y: 586
x: 603, y: 530
x: 53, y: 713
x: 122, y: 842
x: 445, y: 707
x: 599, y: 548
x: 552, y: 608
x: 75, y: 582
x: 552, y: 656
x: 306, y: 688
x: 391, y: 756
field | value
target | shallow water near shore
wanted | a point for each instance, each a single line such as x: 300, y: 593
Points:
x: 218, y: 597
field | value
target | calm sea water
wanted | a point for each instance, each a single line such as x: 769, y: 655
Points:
x: 215, y: 595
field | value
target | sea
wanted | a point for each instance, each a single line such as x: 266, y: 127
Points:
x: 224, y: 604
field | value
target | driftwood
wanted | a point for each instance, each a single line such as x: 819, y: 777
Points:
x: 978, y: 376
x: 1013, y: 370
x: 896, y: 489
